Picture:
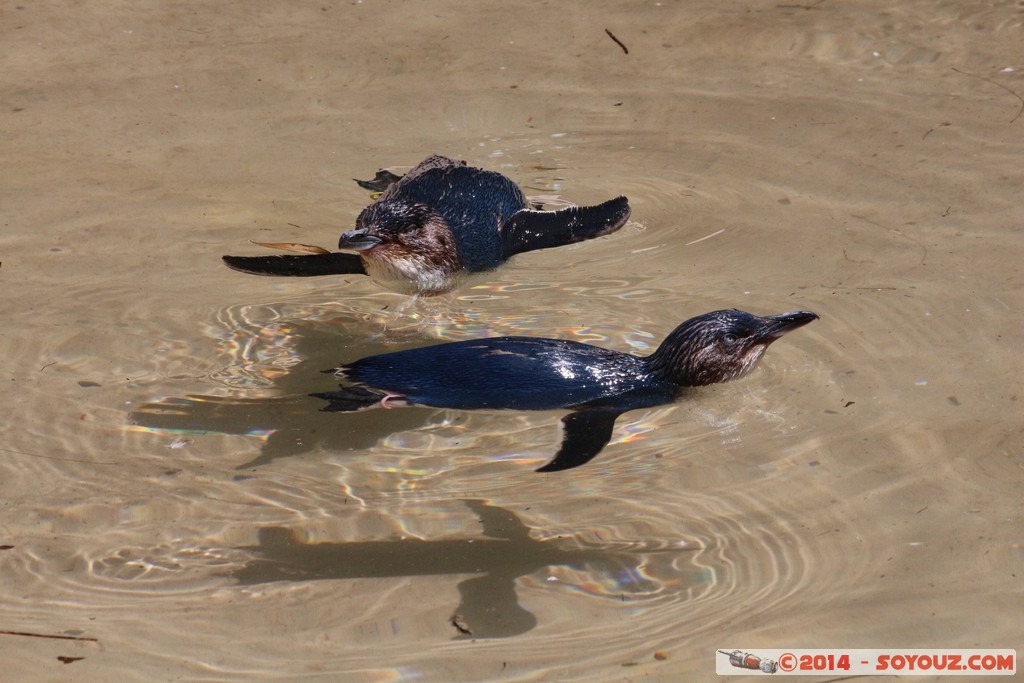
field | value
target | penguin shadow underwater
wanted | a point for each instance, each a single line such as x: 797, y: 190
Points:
x: 290, y: 422
x: 488, y: 606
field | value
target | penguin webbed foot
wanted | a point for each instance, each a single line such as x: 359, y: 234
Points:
x: 349, y: 399
x: 382, y: 181
x: 587, y: 432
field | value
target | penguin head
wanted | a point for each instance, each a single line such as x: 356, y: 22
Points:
x: 721, y: 345
x: 405, y: 241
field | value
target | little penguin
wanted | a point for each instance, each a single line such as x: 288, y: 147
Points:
x: 438, y: 220
x: 535, y: 373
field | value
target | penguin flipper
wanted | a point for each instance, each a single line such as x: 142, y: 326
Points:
x: 529, y: 230
x: 349, y: 399
x: 587, y: 432
x: 298, y: 265
x: 382, y: 181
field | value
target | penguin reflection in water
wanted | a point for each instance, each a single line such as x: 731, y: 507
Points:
x: 440, y: 219
x: 534, y: 373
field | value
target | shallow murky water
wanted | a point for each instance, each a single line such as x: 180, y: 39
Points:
x: 176, y: 507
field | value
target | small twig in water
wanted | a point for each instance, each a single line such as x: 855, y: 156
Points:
x: 47, y: 635
x: 55, y: 457
x: 617, y: 41
x: 461, y: 627
x: 705, y: 237
x: 932, y: 130
x: 989, y: 80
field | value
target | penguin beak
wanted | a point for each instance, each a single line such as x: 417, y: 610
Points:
x: 777, y: 325
x: 358, y: 240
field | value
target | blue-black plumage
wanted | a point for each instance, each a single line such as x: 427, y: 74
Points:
x: 518, y: 373
x: 440, y: 219
x: 535, y: 373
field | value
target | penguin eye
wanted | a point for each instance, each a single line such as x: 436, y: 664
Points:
x: 729, y: 339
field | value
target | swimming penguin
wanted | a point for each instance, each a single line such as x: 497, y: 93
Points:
x: 441, y: 218
x: 534, y: 373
